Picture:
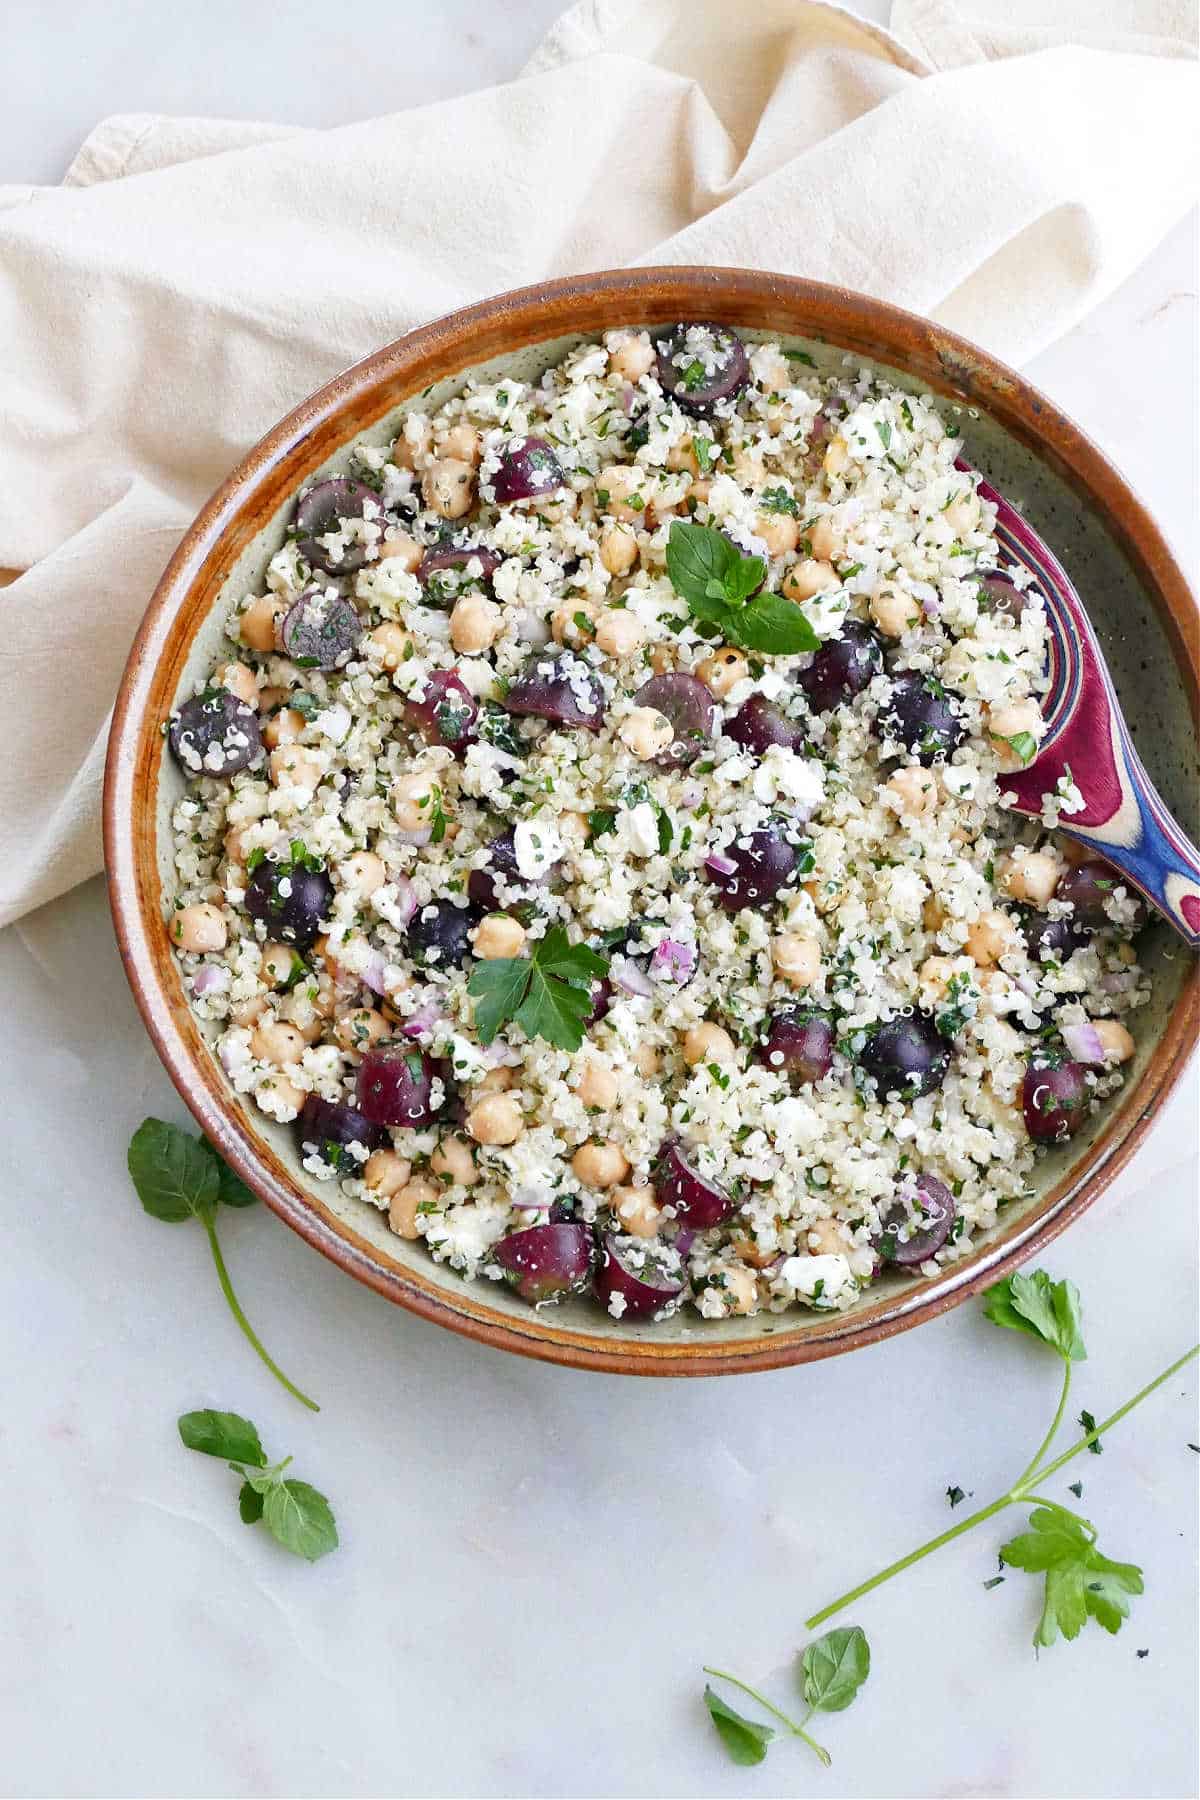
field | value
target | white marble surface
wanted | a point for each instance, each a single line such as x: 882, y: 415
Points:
x: 534, y: 1562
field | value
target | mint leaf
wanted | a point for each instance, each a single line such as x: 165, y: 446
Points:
x: 222, y: 1434
x: 1041, y: 1307
x: 301, y: 1519
x: 231, y: 1189
x: 250, y: 1504
x: 1080, y: 1582
x: 745, y: 1739
x: 175, y: 1176
x: 834, y: 1667
x: 771, y: 625
x: 696, y: 555
x: 744, y: 578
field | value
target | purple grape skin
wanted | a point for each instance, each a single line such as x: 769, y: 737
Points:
x: 320, y: 630
x: 439, y: 934
x: 502, y: 860
x: 938, y: 1214
x: 676, y: 1184
x: 1087, y: 886
x: 729, y: 378
x: 841, y: 668
x: 798, y: 1041
x: 921, y: 717
x: 601, y: 993
x: 692, y: 712
x: 318, y: 513
x: 644, y: 1294
x: 528, y: 470
x: 998, y: 595
x: 1051, y: 939
x: 329, y: 1127
x: 908, y: 1057
x: 295, y: 917
x: 446, y: 712
x: 544, y: 690
x: 544, y: 1262
x: 455, y: 560
x: 394, y: 1087
x: 760, y: 723
x: 765, y: 862
x: 1054, y: 1097
x: 216, y: 728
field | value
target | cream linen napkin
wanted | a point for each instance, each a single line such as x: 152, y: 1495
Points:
x: 192, y: 279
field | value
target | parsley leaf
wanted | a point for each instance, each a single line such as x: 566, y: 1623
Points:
x: 548, y: 993
x: 721, y: 587
x: 745, y: 1739
x: 1043, y: 1308
x: 295, y: 1514
x: 1080, y: 1583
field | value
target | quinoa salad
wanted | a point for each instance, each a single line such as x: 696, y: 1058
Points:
x: 593, y: 845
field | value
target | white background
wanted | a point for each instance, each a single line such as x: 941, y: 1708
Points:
x: 534, y: 1562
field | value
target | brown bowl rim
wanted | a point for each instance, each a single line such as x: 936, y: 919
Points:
x: 244, y: 503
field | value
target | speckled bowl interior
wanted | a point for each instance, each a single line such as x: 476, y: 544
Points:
x: 1146, y: 665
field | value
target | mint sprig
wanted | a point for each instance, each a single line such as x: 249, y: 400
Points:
x: 724, y: 588
x: 296, y: 1515
x: 547, y: 993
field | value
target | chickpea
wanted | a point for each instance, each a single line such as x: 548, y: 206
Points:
x: 413, y: 796
x: 962, y: 514
x: 455, y: 1159
x: 637, y: 1210
x: 746, y: 1250
x: 933, y: 980
x: 1021, y: 718
x: 804, y: 580
x: 933, y: 914
x: 285, y: 1097
x: 403, y: 549
x: 277, y: 964
x: 662, y: 658
x: 269, y: 698
x: 462, y: 442
x: 574, y: 622
x: 707, y: 1044
x: 386, y: 1172
x: 826, y: 1238
x: 600, y: 1165
x: 295, y: 768
x: 496, y: 1120
x: 283, y: 727
x: 633, y: 356
x: 412, y: 446
x: 199, y: 927
x: 1115, y: 1040
x: 740, y: 1286
x: 837, y: 457
x: 598, y: 1086
x: 894, y: 613
x: 407, y: 1203
x: 619, y: 633
x: 722, y: 671
x: 778, y: 531
x: 497, y: 1080
x: 916, y: 789
x: 389, y: 645
x: 362, y: 873
x: 258, y: 624
x: 498, y: 936
x: 446, y: 487
x: 248, y: 1012
x: 623, y: 484
x: 747, y: 468
x: 647, y: 1060
x: 989, y: 937
x: 277, y: 1043
x: 618, y: 549
x: 239, y: 680
x: 823, y: 538
x: 1030, y: 875
x: 361, y: 1029
x: 646, y: 732
x: 682, y: 456
x: 475, y: 624
x: 699, y: 490
x: 797, y: 957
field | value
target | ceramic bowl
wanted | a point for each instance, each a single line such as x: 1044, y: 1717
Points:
x: 1138, y: 600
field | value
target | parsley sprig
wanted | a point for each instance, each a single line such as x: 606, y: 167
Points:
x: 722, y: 588
x: 832, y: 1669
x: 180, y: 1177
x: 1080, y: 1583
x: 547, y: 993
x: 296, y: 1515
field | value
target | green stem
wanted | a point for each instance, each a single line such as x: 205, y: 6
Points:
x: 247, y: 1329
x: 1114, y: 1418
x: 761, y: 1699
x: 906, y: 1562
x: 1031, y: 1467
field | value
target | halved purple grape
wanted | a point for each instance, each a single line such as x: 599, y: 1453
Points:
x: 395, y: 1086
x: 998, y: 595
x: 502, y: 861
x: 544, y: 1262
x: 647, y: 1276
x: 841, y: 668
x: 760, y: 723
x: 321, y: 510
x: 920, y: 712
x: 908, y: 1057
x: 559, y: 686
x: 443, y: 573
x: 601, y: 995
x: 695, y: 1199
x: 1088, y: 886
x: 327, y: 1128
x: 439, y: 934
x: 215, y: 734
x: 1054, y: 1097
x: 917, y: 1226
x: 691, y: 710
x: 751, y: 870
x: 700, y: 365
x: 291, y: 900
x: 446, y: 712
x: 1051, y: 940
x: 798, y: 1040
x: 321, y: 630
x: 528, y: 470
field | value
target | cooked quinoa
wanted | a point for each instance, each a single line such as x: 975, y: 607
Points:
x: 835, y: 992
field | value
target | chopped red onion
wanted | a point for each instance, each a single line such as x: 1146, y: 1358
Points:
x: 427, y: 1015
x: 627, y: 399
x: 684, y: 1239
x: 629, y: 977
x: 211, y: 979
x: 720, y: 865
x: 417, y: 838
x: 931, y: 607
x: 690, y: 797
x: 1083, y: 1042
x: 674, y: 960
x: 1028, y: 985
x: 372, y: 972
x: 1118, y: 981
x: 404, y: 905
